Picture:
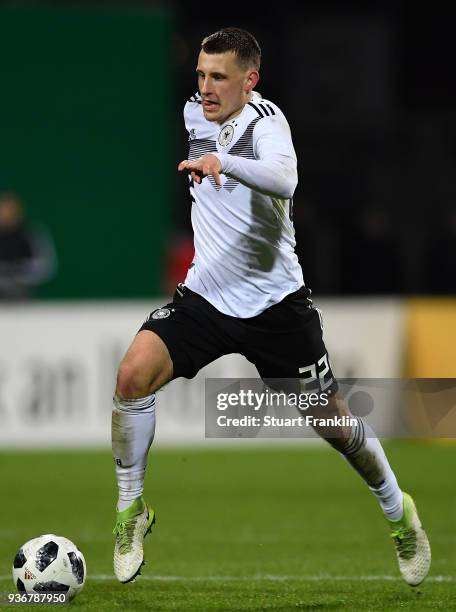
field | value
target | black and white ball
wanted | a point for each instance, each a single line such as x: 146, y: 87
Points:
x: 49, y: 564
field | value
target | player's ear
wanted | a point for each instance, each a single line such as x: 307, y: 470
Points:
x: 251, y: 80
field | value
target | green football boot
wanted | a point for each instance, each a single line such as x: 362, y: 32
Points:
x: 132, y: 526
x: 412, y: 545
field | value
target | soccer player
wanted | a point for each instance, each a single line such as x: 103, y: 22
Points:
x: 244, y: 293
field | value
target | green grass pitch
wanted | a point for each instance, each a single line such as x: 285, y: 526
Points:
x: 239, y: 529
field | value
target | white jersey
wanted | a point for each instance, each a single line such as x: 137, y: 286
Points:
x: 243, y: 233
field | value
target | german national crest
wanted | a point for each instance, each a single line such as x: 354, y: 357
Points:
x: 226, y: 135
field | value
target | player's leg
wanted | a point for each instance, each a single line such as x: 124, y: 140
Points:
x: 363, y: 451
x: 177, y: 340
x: 145, y: 368
x: 300, y: 353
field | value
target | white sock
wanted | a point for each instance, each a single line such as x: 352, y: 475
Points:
x: 366, y: 455
x: 133, y: 428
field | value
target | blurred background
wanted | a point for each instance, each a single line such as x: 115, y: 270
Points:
x: 95, y: 220
x: 95, y: 232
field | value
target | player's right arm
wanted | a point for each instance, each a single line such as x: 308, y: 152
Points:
x: 206, y: 165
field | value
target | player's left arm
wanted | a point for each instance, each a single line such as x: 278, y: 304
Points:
x: 274, y: 169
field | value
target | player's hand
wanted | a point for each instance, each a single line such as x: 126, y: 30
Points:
x: 207, y: 165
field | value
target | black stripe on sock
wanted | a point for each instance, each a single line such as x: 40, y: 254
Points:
x: 358, y: 439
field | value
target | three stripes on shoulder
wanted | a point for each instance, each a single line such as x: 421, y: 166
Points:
x: 266, y: 109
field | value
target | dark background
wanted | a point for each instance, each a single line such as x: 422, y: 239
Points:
x: 370, y: 95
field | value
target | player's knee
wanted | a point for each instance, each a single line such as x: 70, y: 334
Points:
x: 131, y: 381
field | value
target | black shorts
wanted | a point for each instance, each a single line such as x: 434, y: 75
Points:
x: 285, y: 341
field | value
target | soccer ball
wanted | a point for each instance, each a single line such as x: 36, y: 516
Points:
x: 49, y: 564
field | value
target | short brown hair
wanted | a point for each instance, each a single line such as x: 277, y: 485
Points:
x: 241, y: 42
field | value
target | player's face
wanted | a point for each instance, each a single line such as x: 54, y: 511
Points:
x: 224, y: 86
